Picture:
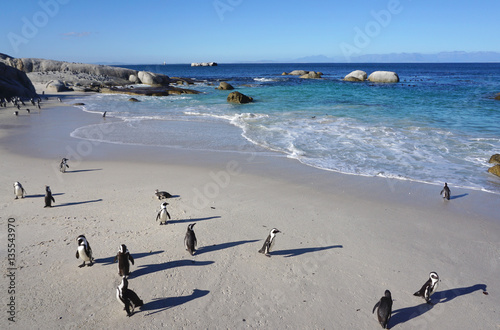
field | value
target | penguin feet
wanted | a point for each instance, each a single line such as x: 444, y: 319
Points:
x: 82, y: 265
x: 90, y: 264
x: 268, y: 255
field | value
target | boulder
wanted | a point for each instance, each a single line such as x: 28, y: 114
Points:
x: 237, y: 97
x: 14, y: 82
x: 298, y: 72
x: 495, y: 170
x: 384, y: 77
x: 225, y: 86
x: 56, y: 86
x: 133, y: 79
x: 79, y: 103
x: 150, y: 78
x: 311, y: 75
x: 497, y: 97
x: 495, y: 159
x: 356, y: 75
x: 204, y: 64
x: 133, y: 99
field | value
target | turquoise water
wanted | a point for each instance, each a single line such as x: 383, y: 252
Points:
x: 440, y: 123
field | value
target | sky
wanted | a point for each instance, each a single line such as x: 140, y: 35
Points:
x: 230, y: 31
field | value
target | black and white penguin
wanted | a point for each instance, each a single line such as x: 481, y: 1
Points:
x: 84, y: 251
x: 28, y: 110
x: 190, y: 239
x: 64, y: 165
x: 123, y: 258
x: 269, y: 243
x: 429, y: 287
x: 162, y: 194
x: 104, y: 114
x: 16, y: 113
x: 445, y: 192
x: 384, y: 310
x: 127, y: 297
x: 19, y: 190
x: 48, y: 197
x: 163, y: 214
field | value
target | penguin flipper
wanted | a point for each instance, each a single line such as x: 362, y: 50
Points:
x: 53, y: 200
x: 77, y: 254
x: 376, y: 305
x: 131, y: 258
x: 168, y: 215
x: 116, y: 258
x: 158, y: 216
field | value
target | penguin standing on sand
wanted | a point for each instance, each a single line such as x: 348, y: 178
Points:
x: 429, y: 287
x: 445, y: 192
x: 48, y: 197
x: 128, y: 298
x: 269, y: 243
x: 84, y: 251
x: 384, y: 310
x: 64, y: 165
x: 123, y: 258
x: 19, y: 190
x: 163, y: 214
x: 190, y: 239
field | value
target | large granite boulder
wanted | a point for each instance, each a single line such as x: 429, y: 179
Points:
x: 296, y: 73
x: 225, y: 86
x: 204, y: 64
x: 311, y: 75
x: 384, y: 77
x: 133, y: 79
x: 153, y: 79
x: 495, y: 170
x: 357, y: 75
x: 14, y: 82
x: 495, y: 159
x: 56, y: 86
x: 237, y: 97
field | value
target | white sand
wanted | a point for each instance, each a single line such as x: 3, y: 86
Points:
x: 345, y: 239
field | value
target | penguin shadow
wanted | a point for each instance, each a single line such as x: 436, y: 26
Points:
x: 162, y: 304
x: 78, y: 203
x: 89, y: 170
x: 298, y: 252
x: 458, y: 196
x: 110, y: 260
x: 192, y: 220
x: 153, y: 268
x: 405, y: 314
x: 217, y: 247
x: 42, y: 195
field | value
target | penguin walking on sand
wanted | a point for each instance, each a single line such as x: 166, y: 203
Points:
x: 128, y: 298
x: 445, y: 192
x: 428, y: 288
x: 163, y: 214
x: 384, y: 310
x: 123, y: 258
x: 49, y: 199
x: 64, y: 165
x: 19, y: 190
x: 190, y: 239
x: 269, y: 243
x: 84, y: 251
x: 162, y: 194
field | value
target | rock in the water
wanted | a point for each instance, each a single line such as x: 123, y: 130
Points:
x: 495, y: 159
x: 56, y: 86
x: 237, y: 97
x: 497, y: 97
x: 357, y: 75
x: 14, y: 82
x: 495, y: 170
x: 154, y: 79
x: 384, y: 77
x: 298, y: 72
x: 133, y: 79
x: 311, y: 75
x: 204, y: 64
x: 225, y: 86
x: 133, y: 99
x: 79, y: 103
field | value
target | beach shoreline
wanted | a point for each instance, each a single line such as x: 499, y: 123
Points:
x: 345, y: 238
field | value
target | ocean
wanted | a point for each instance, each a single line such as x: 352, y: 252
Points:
x: 439, y: 124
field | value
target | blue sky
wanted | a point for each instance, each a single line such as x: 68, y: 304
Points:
x: 223, y: 31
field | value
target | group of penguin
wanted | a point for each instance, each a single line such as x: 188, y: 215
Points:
x: 130, y: 300
x: 17, y: 102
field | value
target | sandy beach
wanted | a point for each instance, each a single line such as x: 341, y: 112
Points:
x: 345, y: 239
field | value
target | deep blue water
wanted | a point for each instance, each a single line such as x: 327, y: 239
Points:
x: 440, y: 123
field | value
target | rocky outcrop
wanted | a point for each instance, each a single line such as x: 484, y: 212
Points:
x: 497, y: 97
x: 495, y: 159
x: 204, y: 64
x: 225, y: 86
x: 296, y: 73
x: 133, y: 99
x: 14, y: 82
x: 356, y: 75
x: 153, y: 79
x: 311, y: 75
x: 149, y: 91
x: 384, y: 77
x: 237, y: 97
x: 495, y: 170
x: 56, y: 86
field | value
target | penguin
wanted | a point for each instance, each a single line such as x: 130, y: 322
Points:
x: 269, y: 243
x: 445, y: 192
x: 384, y: 310
x: 28, y: 110
x: 63, y: 166
x: 84, y: 251
x: 190, y: 239
x: 19, y: 190
x: 16, y: 113
x: 128, y: 298
x: 429, y: 287
x: 123, y: 258
x: 163, y: 214
x: 48, y: 197
x: 59, y: 99
x: 162, y: 194
x: 104, y: 114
